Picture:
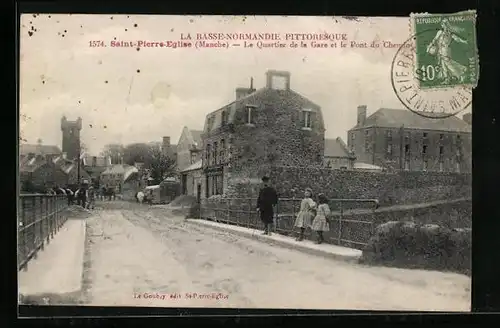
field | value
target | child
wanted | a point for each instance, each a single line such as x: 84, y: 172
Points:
x: 320, y: 222
x: 306, y: 214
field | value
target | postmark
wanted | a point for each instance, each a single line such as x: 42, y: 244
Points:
x: 448, y: 56
x: 438, y: 103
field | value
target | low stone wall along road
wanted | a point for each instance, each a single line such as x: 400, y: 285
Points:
x: 146, y: 256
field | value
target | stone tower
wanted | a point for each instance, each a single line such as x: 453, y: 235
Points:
x: 71, y: 137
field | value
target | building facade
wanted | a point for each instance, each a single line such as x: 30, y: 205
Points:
x: 261, y: 128
x: 189, y: 148
x: 116, y: 175
x: 403, y: 140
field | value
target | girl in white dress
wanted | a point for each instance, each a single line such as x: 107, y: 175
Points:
x: 320, y: 222
x: 306, y: 213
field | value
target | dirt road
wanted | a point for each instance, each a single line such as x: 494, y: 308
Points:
x: 142, y: 256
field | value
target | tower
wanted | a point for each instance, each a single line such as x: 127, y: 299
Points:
x: 71, y: 137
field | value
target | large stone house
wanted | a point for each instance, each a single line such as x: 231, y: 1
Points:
x: 272, y: 126
x: 403, y: 140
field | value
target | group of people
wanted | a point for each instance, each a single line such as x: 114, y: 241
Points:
x: 313, y: 215
x: 84, y: 196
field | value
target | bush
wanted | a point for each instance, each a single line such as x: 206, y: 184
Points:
x: 407, y: 244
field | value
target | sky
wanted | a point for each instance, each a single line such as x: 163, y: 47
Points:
x: 125, y: 96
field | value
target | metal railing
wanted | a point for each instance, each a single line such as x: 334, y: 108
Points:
x: 39, y: 218
x: 351, y: 223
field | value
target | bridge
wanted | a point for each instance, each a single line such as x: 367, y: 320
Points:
x: 130, y: 254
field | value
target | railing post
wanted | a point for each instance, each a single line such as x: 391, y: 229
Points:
x: 339, y: 238
x: 42, y: 223
x: 48, y: 218
x: 25, y: 234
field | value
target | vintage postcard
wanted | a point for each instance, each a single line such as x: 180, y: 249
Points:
x: 246, y: 161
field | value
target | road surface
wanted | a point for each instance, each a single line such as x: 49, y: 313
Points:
x: 144, y: 256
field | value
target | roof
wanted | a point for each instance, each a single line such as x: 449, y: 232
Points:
x: 195, y: 166
x: 118, y: 169
x: 25, y: 149
x: 397, y: 118
x: 275, y: 99
x: 335, y: 148
x: 366, y: 166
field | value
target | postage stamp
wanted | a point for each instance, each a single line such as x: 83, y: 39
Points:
x: 238, y: 162
x: 447, y: 55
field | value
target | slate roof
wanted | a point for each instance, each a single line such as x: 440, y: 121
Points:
x: 195, y: 166
x: 117, y: 169
x: 395, y: 118
x: 25, y: 149
x: 336, y: 148
x: 100, y: 160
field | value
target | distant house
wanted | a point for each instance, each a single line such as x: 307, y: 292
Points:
x: 191, y: 179
x: 32, y: 150
x: 189, y: 148
x: 337, y: 155
x: 116, y: 175
x: 403, y: 140
x: 47, y: 171
x: 95, y: 165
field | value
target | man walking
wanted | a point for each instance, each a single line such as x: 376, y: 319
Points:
x: 268, y: 199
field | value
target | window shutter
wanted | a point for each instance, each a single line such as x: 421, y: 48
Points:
x: 302, y: 118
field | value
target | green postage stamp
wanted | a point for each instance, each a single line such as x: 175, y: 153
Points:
x: 446, y: 49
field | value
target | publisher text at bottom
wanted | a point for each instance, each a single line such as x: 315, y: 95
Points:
x: 176, y: 296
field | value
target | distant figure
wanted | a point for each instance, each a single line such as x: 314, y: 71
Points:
x: 81, y: 195
x: 306, y: 213
x: 140, y: 197
x: 268, y: 199
x: 321, y: 221
x: 91, y: 195
x: 103, y: 192
x: 70, y: 195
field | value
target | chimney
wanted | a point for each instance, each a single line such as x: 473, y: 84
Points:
x: 279, y: 80
x: 467, y: 118
x: 94, y: 161
x: 243, y: 92
x: 361, y: 115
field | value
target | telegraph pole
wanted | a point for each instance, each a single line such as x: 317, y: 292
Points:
x: 79, y: 160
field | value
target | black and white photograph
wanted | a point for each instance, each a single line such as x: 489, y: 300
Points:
x: 252, y: 162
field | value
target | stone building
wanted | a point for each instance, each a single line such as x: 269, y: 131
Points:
x: 260, y: 129
x: 337, y: 155
x: 116, y: 175
x: 95, y: 165
x: 402, y: 140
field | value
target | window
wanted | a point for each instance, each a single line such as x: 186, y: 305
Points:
x: 441, y: 153
x: 441, y: 166
x: 216, y: 159
x: 306, y: 118
x: 388, y: 134
x: 424, y: 150
x: 388, y: 142
x: 407, y: 150
x: 424, y: 168
x: 389, y: 149
x: 367, y: 141
x: 441, y: 137
x: 250, y: 115
x: 353, y: 139
x: 224, y: 117
x: 207, y: 154
x: 424, y: 135
x: 222, y: 157
x: 457, y: 166
x: 407, y: 164
x: 193, y: 157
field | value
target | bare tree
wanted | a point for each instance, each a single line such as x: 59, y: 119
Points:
x: 114, y: 151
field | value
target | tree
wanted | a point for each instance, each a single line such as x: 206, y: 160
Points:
x: 114, y: 151
x: 136, y: 152
x: 160, y: 165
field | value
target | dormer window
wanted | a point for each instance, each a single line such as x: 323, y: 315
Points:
x: 306, y: 119
x: 250, y: 114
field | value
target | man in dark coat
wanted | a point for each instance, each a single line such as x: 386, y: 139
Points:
x: 268, y: 199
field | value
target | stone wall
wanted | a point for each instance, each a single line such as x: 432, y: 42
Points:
x: 389, y: 188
